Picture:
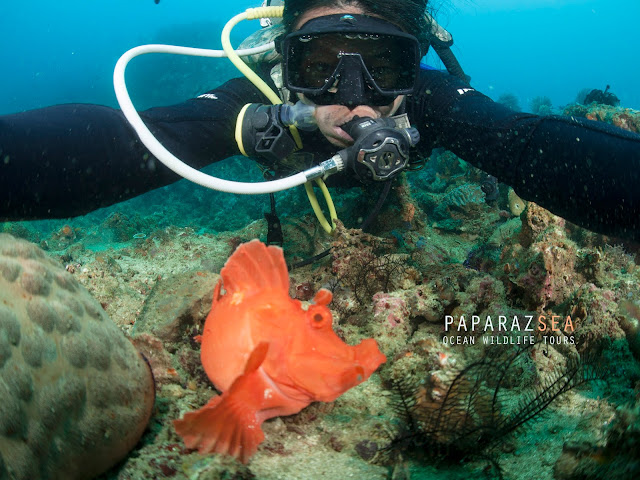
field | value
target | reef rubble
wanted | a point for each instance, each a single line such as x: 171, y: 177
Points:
x: 438, y: 251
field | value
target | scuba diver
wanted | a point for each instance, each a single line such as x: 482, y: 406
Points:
x: 351, y: 69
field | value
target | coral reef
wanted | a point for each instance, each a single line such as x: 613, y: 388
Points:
x: 630, y: 323
x: 76, y: 396
x: 614, y: 457
x: 463, y: 412
x: 625, y: 118
x: 463, y: 201
x: 541, y: 105
x: 445, y: 254
x: 509, y: 100
x: 539, y: 270
x: 359, y: 268
x: 603, y: 97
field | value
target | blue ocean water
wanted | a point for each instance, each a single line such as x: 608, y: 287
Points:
x: 552, y: 48
x: 57, y: 52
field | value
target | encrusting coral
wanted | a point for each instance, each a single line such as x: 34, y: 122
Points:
x: 625, y: 118
x: 75, y: 394
x: 615, y: 456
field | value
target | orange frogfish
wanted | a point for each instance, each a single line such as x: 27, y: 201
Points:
x: 268, y: 355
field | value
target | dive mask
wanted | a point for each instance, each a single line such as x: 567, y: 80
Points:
x: 350, y: 59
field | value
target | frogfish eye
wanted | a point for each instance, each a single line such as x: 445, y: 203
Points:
x: 319, y: 318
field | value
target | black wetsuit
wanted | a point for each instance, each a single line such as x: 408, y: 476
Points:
x: 67, y: 160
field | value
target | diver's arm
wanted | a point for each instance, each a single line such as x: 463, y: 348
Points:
x: 585, y: 171
x: 68, y: 160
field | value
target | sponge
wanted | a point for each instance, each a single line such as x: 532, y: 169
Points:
x: 75, y: 394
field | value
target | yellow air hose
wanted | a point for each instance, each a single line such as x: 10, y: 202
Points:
x: 254, y: 14
x: 329, y: 228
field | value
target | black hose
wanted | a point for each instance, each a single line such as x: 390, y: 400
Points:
x: 450, y: 62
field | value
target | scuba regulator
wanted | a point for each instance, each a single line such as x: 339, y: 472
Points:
x: 381, y: 147
x: 380, y: 150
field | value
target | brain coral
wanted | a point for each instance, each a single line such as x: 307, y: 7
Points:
x: 75, y: 396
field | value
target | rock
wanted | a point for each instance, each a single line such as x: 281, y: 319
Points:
x: 539, y: 224
x: 76, y: 395
x: 176, y: 304
x: 464, y: 201
x: 543, y: 266
x: 160, y: 360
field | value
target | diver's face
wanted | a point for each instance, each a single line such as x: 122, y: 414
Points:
x: 330, y: 118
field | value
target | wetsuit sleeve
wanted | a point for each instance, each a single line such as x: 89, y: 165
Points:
x: 68, y: 160
x: 584, y: 171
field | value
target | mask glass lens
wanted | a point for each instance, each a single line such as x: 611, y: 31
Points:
x: 389, y: 62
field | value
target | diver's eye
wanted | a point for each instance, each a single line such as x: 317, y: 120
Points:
x: 317, y: 73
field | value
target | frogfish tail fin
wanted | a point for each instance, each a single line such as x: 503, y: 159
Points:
x: 228, y: 424
x: 255, y: 267
x: 224, y: 425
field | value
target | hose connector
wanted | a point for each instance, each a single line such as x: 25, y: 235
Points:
x: 326, y: 168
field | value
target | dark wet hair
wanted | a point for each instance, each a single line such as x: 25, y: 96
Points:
x: 407, y: 14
